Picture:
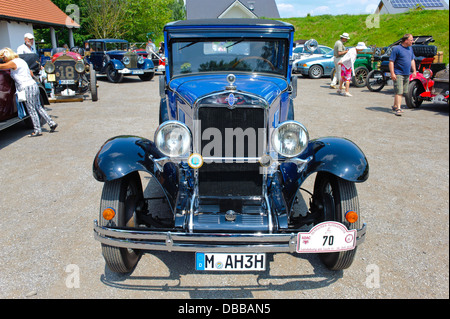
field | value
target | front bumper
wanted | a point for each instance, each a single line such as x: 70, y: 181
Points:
x: 135, y: 71
x: 203, y: 242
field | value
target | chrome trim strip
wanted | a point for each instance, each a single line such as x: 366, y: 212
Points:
x: 202, y: 242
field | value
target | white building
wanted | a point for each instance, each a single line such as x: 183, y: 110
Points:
x: 18, y: 17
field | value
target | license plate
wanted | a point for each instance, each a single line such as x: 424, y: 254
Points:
x: 230, y: 262
x: 66, y: 82
x: 137, y: 72
x: 326, y: 237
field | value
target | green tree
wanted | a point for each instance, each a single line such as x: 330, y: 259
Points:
x: 178, y: 10
x: 147, y: 17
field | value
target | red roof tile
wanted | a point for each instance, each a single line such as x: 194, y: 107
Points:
x: 40, y: 12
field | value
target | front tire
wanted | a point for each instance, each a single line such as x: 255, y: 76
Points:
x: 93, y: 83
x: 360, y: 78
x: 113, y: 75
x: 333, y: 197
x: 147, y: 76
x: 315, y: 72
x: 124, y: 195
x: 375, y: 81
x: 413, y: 99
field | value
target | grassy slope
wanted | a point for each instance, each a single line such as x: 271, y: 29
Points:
x: 326, y: 28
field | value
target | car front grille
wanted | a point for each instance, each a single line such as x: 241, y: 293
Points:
x: 65, y: 70
x: 133, y: 60
x: 230, y: 137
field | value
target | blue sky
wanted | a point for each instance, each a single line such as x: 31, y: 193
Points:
x: 300, y: 8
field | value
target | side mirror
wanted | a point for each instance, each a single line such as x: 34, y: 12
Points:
x: 162, y: 86
x: 293, y: 87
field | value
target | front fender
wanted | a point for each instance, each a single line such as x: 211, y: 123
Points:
x: 148, y: 64
x: 118, y: 65
x: 338, y: 156
x: 122, y: 155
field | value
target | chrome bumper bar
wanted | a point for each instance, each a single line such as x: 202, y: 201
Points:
x: 202, y: 242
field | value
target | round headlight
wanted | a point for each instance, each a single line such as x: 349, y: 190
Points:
x: 126, y: 60
x: 49, y: 67
x: 79, y: 67
x: 140, y: 59
x: 173, y: 138
x: 290, y: 139
x: 427, y: 74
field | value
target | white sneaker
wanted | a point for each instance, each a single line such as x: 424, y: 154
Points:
x: 346, y: 94
x: 333, y: 86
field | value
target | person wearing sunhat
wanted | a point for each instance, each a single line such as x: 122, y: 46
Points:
x: 347, y: 67
x: 339, y: 52
x: 27, y: 47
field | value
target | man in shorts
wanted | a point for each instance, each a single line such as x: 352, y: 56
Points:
x: 401, y: 62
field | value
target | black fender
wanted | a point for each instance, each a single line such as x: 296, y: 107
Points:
x: 122, y: 155
x: 338, y: 156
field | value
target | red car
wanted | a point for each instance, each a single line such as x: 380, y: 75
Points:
x: 426, y: 87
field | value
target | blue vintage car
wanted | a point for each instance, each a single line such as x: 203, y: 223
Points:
x: 114, y: 58
x: 230, y: 159
x: 315, y: 67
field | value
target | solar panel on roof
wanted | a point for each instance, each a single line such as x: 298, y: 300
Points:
x: 413, y: 3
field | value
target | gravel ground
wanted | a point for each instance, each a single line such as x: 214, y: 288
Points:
x: 49, y: 200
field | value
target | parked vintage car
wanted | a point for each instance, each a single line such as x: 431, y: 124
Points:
x: 70, y: 75
x: 114, y: 58
x: 12, y: 111
x: 426, y: 87
x: 230, y: 160
x: 362, y: 65
x: 423, y: 51
x: 301, y: 53
x: 315, y: 67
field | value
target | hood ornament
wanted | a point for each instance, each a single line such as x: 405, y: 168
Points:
x: 231, y: 78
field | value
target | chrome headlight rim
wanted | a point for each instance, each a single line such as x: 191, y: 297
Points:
x: 300, y: 131
x: 80, y: 67
x: 185, y: 143
x: 126, y: 60
x: 140, y: 59
x: 427, y: 74
x: 49, y: 67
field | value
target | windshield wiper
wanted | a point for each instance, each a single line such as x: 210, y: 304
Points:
x: 233, y: 44
x: 188, y: 45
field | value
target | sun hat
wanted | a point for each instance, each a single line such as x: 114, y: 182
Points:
x: 345, y: 35
x: 361, y: 46
x: 28, y: 36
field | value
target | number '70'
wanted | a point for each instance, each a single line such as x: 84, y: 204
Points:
x: 328, y: 240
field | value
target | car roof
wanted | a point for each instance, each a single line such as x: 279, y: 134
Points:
x: 109, y: 40
x: 229, y: 22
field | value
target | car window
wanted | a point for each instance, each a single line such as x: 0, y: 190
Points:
x: 230, y: 55
x: 326, y: 50
x: 112, y: 46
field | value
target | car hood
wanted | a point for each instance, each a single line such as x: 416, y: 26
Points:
x: 317, y: 59
x: 191, y: 88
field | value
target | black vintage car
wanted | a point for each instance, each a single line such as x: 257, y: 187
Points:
x: 230, y: 160
x: 114, y: 58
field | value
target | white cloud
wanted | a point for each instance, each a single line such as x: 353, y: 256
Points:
x: 320, y: 10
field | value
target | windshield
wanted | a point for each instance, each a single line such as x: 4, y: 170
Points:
x: 113, y: 46
x: 231, y: 55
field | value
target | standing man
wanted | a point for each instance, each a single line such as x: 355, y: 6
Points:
x: 401, y: 62
x: 27, y: 47
x: 339, y: 52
